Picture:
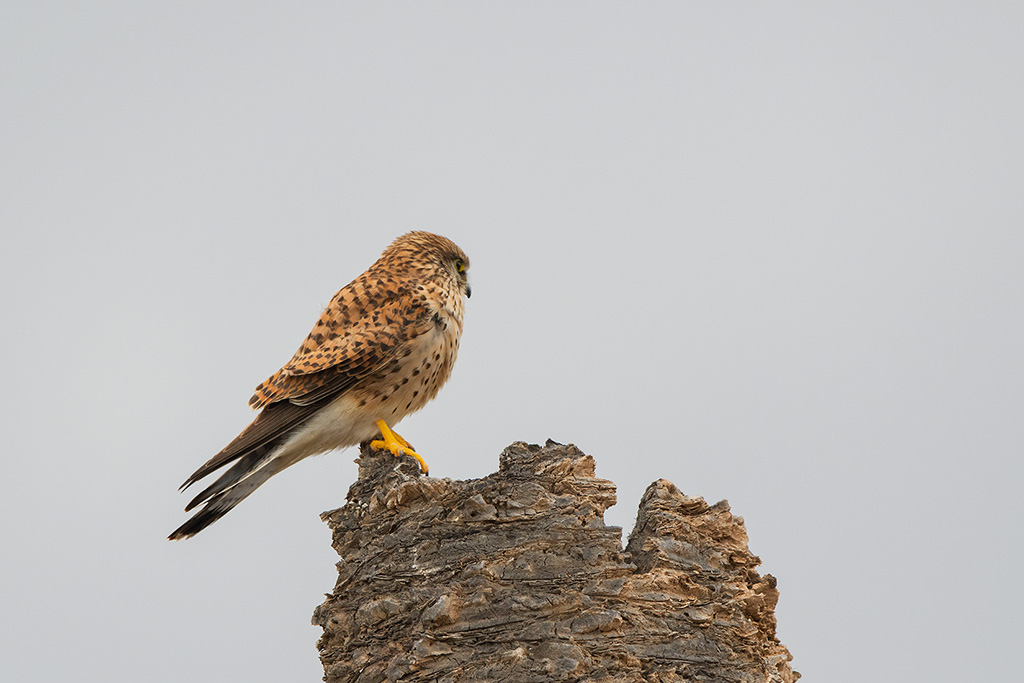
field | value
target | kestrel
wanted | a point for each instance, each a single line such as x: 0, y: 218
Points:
x: 381, y: 350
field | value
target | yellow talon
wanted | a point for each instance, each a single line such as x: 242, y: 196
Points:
x: 397, y: 445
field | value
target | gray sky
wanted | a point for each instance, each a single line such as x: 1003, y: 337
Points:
x: 774, y: 254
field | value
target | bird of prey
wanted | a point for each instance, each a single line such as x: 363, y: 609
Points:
x: 381, y: 350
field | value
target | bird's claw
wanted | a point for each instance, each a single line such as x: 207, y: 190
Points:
x: 397, y: 445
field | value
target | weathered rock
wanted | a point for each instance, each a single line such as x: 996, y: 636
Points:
x: 515, y: 577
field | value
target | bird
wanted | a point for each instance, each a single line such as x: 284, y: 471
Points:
x: 382, y: 349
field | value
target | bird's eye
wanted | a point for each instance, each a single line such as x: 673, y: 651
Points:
x: 460, y: 266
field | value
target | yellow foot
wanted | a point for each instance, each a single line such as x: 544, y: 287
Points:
x: 397, y: 445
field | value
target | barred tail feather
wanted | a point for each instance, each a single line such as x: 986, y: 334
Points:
x: 246, y: 465
x: 254, y: 456
x: 223, y: 501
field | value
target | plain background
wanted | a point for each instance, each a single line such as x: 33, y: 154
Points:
x: 772, y: 253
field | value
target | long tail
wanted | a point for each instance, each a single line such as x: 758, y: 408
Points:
x: 229, y: 490
x: 218, y: 504
x: 256, y: 459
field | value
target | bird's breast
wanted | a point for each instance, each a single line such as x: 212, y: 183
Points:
x: 418, y: 371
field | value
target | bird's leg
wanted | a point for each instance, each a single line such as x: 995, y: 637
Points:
x: 402, y: 441
x: 397, y: 445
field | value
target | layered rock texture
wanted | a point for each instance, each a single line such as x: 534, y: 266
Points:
x: 515, y: 577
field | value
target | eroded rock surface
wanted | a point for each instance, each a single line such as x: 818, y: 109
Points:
x: 515, y: 577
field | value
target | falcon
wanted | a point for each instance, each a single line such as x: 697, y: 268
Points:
x: 381, y: 350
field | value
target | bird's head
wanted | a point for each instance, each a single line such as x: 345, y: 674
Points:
x: 433, y: 255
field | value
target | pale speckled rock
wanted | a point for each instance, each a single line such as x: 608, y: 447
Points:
x: 515, y: 577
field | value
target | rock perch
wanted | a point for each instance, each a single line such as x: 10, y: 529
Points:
x: 515, y: 577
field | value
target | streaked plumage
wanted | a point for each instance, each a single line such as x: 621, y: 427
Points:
x: 381, y: 350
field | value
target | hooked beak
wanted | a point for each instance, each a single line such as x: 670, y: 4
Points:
x: 469, y: 290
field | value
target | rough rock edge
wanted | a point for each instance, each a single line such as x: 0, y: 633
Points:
x: 515, y: 577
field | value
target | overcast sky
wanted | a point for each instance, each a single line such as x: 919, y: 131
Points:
x: 772, y: 252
